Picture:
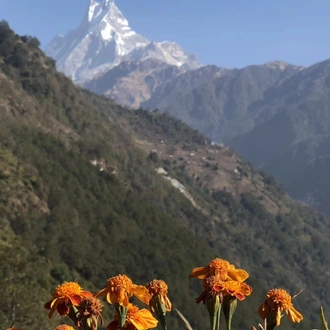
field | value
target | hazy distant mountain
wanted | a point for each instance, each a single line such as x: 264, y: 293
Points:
x: 214, y: 100
x: 293, y: 142
x: 104, y: 39
x: 219, y: 102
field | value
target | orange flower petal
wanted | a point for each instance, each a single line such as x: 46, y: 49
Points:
x: 75, y: 300
x: 53, y: 302
x: 86, y: 294
x: 294, y: 315
x: 168, y: 304
x: 141, y: 292
x: 143, y: 319
x: 278, y: 317
x: 101, y: 293
x: 200, y: 272
x: 240, y: 296
x: 217, y: 288
x: 125, y: 301
x: 111, y: 298
x: 121, y: 296
x: 238, y: 275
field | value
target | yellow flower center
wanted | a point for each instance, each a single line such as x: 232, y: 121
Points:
x: 157, y: 287
x: 279, y: 297
x: 119, y: 282
x: 67, y: 289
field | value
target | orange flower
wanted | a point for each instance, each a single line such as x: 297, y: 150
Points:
x: 120, y: 288
x: 64, y: 296
x: 279, y: 300
x: 159, y: 288
x: 213, y: 285
x: 14, y: 329
x: 221, y: 268
x: 64, y: 327
x: 136, y: 319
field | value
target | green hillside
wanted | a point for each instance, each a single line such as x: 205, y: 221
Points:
x: 81, y: 200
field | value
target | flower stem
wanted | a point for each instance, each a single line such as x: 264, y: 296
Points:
x: 324, y: 322
x: 122, y: 313
x: 218, y: 318
x: 214, y: 308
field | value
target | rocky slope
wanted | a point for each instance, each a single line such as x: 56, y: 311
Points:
x: 132, y: 83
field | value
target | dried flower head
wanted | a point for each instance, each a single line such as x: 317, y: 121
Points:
x: 89, y: 312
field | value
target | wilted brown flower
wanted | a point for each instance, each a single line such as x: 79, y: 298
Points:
x: 89, y: 312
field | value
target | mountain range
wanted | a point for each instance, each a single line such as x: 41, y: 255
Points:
x: 91, y: 189
x: 276, y: 115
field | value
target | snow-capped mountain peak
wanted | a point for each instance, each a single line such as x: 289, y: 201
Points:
x: 103, y: 40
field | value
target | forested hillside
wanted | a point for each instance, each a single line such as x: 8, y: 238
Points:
x: 81, y: 200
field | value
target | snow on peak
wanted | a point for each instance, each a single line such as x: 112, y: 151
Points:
x: 103, y: 40
x: 107, y: 21
x: 107, y: 2
x: 101, y: 9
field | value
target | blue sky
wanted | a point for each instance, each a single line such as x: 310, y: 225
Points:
x: 228, y: 33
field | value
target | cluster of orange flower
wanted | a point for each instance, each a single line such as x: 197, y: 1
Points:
x: 85, y: 309
x: 223, y: 285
